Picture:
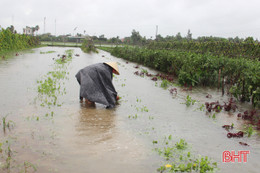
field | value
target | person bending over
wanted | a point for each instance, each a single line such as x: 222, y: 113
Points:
x: 96, y: 84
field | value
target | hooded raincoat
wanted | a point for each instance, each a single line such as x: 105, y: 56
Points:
x: 96, y: 84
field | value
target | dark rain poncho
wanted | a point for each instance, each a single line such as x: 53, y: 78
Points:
x: 96, y: 84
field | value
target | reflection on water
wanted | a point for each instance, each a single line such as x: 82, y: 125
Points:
x: 95, y: 123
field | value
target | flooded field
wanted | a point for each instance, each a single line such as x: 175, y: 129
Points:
x: 57, y: 133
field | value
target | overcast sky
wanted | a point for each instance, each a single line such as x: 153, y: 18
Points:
x: 222, y: 18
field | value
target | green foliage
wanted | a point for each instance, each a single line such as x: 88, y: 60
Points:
x: 165, y: 84
x: 108, y: 49
x: 144, y: 71
x: 28, y: 165
x: 189, y: 101
x: 154, y: 142
x: 192, y: 69
x: 88, y: 46
x: 135, y: 38
x: 47, y: 52
x: 181, y: 145
x: 247, y: 49
x: 10, y: 41
x: 179, y: 159
x: 1, y: 144
x: 249, y: 130
x: 201, y: 108
x: 133, y: 116
x: 144, y: 109
x: 7, y: 123
x: 5, y: 155
x: 50, y: 86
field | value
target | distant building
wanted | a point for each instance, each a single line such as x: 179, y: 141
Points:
x: 79, y: 39
x: 28, y: 30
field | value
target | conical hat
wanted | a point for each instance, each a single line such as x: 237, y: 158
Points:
x: 114, y: 66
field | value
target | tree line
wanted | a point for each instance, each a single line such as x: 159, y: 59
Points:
x: 10, y: 40
x: 137, y: 39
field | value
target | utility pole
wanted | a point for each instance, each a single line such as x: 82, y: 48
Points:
x: 13, y: 20
x: 74, y: 31
x: 55, y: 27
x: 44, y: 25
x: 156, y: 32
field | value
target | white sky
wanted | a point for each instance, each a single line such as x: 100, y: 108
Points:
x: 222, y: 18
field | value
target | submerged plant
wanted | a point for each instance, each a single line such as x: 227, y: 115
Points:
x: 155, y: 142
x: 1, y: 144
x: 88, y: 46
x: 6, y: 155
x: 7, y: 124
x: 228, y: 127
x: 138, y: 100
x: 179, y: 159
x: 249, y: 130
x: 151, y: 117
x: 239, y: 134
x: 201, y: 108
x: 144, y: 71
x: 173, y: 90
x: 165, y: 84
x: 51, y: 85
x: 216, y: 106
x: 144, y: 109
x: 27, y: 165
x: 47, y: 52
x: 181, y: 145
x: 189, y: 101
x: 133, y: 116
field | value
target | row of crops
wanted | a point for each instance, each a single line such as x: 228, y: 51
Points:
x: 11, y: 42
x: 237, y: 76
x: 230, y: 49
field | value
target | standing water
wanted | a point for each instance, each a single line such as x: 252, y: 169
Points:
x: 57, y: 133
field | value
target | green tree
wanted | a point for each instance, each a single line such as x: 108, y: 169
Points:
x: 11, y: 28
x: 127, y: 40
x: 102, y: 38
x: 169, y: 38
x: 37, y: 28
x: 159, y: 38
x: 94, y: 37
x: 135, y: 37
x: 88, y: 46
x: 249, y: 40
x: 178, y: 36
x: 144, y: 40
x: 189, y: 35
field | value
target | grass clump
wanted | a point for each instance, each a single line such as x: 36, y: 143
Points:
x: 50, y: 86
x: 178, y: 158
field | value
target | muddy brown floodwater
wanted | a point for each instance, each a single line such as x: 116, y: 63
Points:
x: 74, y: 137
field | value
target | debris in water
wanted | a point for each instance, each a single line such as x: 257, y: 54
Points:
x: 243, y: 143
x: 239, y: 134
x: 172, y: 90
x: 208, y: 96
